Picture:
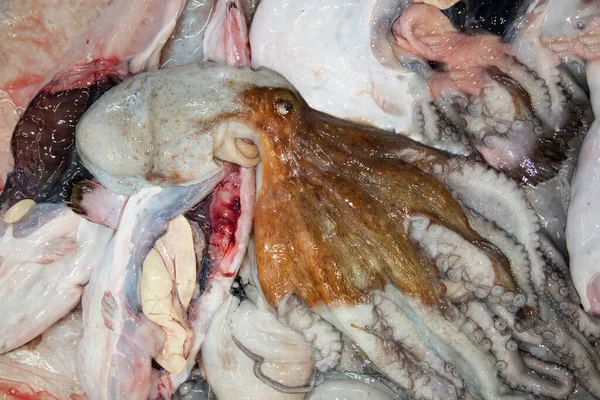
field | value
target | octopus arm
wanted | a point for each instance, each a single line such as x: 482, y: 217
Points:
x: 349, y: 204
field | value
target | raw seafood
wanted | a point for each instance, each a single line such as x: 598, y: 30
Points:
x: 565, y: 32
x: 47, y: 255
x: 43, y: 146
x: 228, y: 230
x: 501, y: 104
x: 118, y: 344
x: 366, y: 65
x: 32, y: 42
x: 355, y: 230
x: 39, y: 368
x: 351, y: 70
x: 551, y: 290
x: 114, y: 38
x: 283, y: 355
x: 210, y: 30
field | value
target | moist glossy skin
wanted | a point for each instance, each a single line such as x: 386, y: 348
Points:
x: 120, y: 38
x: 506, y: 110
x: 34, y: 37
x: 47, y: 258
x: 358, y: 232
x: 342, y: 203
x: 330, y: 229
x: 43, y: 138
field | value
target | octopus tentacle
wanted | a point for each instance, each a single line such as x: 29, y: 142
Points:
x: 576, y: 95
x: 537, y: 88
x: 548, y: 380
x: 325, y: 339
x: 572, y: 348
x: 499, y: 200
x: 520, y: 327
x: 524, y: 228
x: 509, y: 136
x: 475, y: 334
x: 407, y: 337
x: 450, y: 252
x: 468, y: 350
x: 433, y: 127
x: 546, y: 68
x: 366, y: 328
x: 563, y: 294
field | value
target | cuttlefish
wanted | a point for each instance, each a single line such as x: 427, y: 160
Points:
x: 421, y: 258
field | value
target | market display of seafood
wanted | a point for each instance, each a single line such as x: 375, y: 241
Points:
x: 299, y: 199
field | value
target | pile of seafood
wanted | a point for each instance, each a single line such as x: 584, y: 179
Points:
x: 300, y: 199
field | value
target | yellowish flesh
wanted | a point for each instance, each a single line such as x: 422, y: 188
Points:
x: 176, y: 248
x: 18, y: 211
x: 171, y: 262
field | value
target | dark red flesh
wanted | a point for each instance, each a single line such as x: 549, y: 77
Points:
x: 84, y: 75
x: 218, y: 216
x: 224, y: 213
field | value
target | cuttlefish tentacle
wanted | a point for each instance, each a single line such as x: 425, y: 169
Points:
x: 468, y: 270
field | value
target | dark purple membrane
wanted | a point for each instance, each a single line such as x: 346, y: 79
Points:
x: 43, y: 145
x: 494, y: 16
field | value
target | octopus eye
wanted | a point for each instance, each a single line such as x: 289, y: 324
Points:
x: 284, y: 107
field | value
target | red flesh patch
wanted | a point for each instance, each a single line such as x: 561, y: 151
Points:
x: 224, y: 212
x: 12, y: 390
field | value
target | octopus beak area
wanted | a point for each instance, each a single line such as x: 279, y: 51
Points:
x: 175, y: 127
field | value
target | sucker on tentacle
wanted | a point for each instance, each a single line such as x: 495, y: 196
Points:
x: 502, y: 202
x: 392, y: 323
x: 469, y: 273
x: 518, y: 258
x: 563, y: 293
x: 514, y: 365
x: 325, y: 339
x: 377, y: 339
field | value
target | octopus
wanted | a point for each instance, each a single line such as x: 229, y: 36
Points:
x: 407, y: 67
x: 380, y: 212
x: 433, y: 265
